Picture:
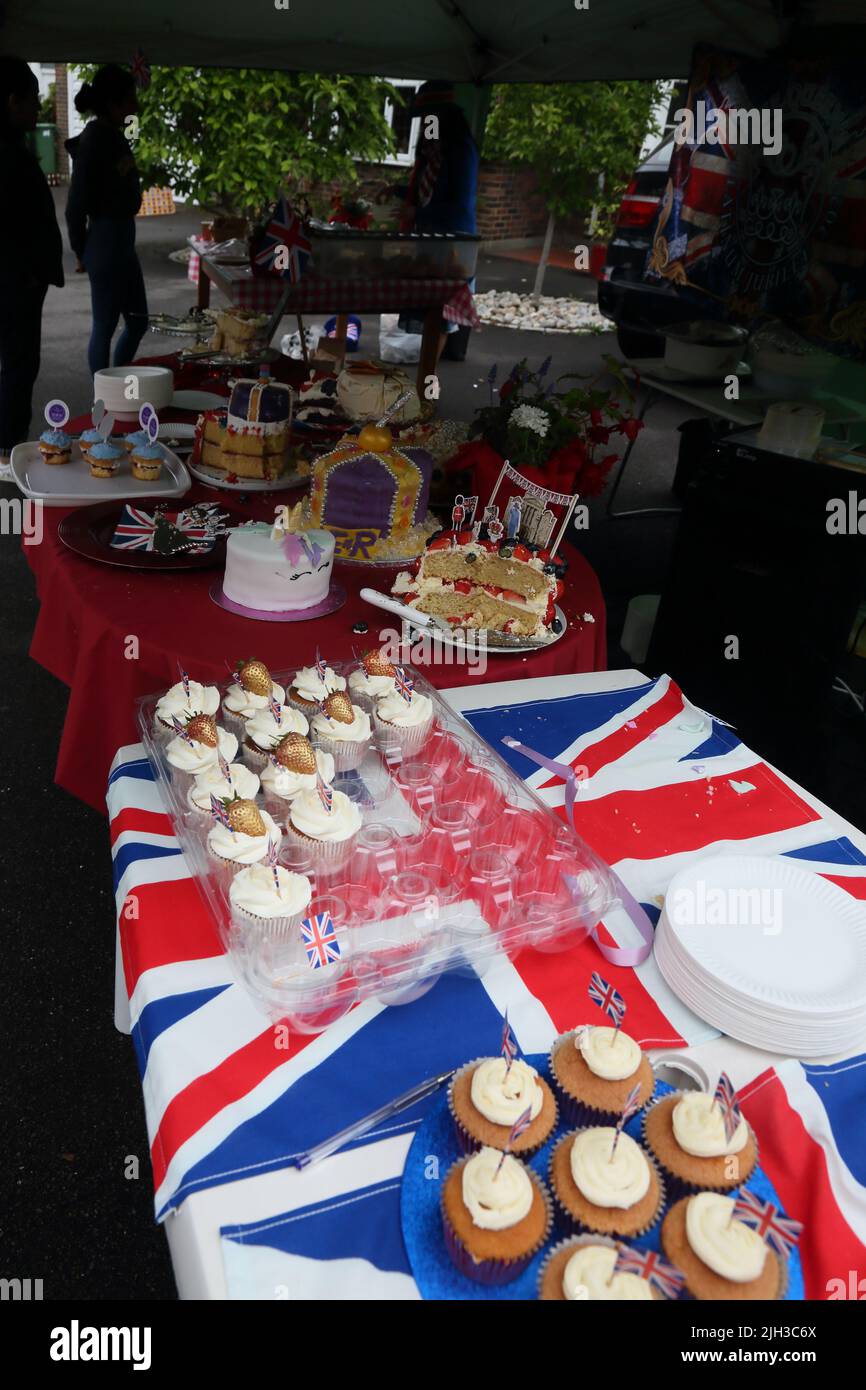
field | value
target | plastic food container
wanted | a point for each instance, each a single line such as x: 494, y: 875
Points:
x: 456, y: 863
x: 346, y: 254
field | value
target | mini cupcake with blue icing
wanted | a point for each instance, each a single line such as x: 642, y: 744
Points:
x: 138, y: 439
x: 55, y: 446
x: 104, y: 459
x: 87, y: 441
x: 146, y: 461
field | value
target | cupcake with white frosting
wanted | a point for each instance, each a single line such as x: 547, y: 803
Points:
x: 251, y: 692
x: 182, y: 701
x: 373, y: 679
x: 686, y: 1134
x: 243, y: 841
x: 241, y: 782
x: 486, y: 1098
x: 581, y: 1270
x: 272, y: 902
x: 294, y: 767
x: 199, y: 747
x: 616, y: 1191
x: 594, y: 1070
x: 719, y: 1255
x: 343, y: 730
x: 403, y: 721
x: 328, y: 833
x: 496, y: 1216
x: 310, y: 687
x: 264, y: 731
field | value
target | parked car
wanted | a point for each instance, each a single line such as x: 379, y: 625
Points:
x: 639, y: 310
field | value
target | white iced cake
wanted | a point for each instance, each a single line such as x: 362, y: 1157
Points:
x: 274, y: 570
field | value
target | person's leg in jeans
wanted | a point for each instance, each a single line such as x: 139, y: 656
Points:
x: 105, y: 299
x: 20, y: 342
x: 133, y: 306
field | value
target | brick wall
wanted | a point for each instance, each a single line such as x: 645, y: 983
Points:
x: 509, y: 204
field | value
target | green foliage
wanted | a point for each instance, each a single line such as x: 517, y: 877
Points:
x: 48, y: 106
x: 232, y: 139
x: 570, y: 133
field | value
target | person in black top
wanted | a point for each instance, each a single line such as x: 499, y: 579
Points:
x: 104, y: 197
x: 31, y: 253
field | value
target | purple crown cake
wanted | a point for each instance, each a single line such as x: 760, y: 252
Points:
x: 373, y: 495
x: 262, y: 406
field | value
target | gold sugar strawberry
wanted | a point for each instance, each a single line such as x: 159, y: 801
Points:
x: 338, y: 707
x: 245, y: 817
x: 296, y: 753
x: 202, y: 727
x: 255, y: 678
x: 377, y: 664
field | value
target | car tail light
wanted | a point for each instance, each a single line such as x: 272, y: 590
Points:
x: 636, y: 209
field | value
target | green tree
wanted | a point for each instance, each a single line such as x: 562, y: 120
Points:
x: 231, y: 139
x: 581, y: 138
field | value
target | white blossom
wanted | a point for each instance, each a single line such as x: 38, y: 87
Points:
x: 531, y: 417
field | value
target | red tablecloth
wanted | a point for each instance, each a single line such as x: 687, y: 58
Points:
x: 114, y: 634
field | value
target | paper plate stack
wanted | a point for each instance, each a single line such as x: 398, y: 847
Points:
x: 768, y: 952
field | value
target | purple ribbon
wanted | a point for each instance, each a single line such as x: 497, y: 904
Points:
x: 617, y: 955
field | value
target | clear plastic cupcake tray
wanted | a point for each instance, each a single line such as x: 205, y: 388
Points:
x: 456, y: 863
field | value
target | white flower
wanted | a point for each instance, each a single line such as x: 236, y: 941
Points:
x: 531, y: 417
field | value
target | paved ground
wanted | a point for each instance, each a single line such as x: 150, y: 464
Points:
x: 71, y: 1098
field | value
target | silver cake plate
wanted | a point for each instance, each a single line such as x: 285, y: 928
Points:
x: 335, y: 599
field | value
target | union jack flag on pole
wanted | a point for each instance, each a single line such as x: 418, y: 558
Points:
x: 509, y: 1044
x: 726, y: 1099
x: 781, y: 1232
x: 326, y: 793
x: 608, y: 999
x: 631, y: 1107
x: 320, y: 667
x: 319, y: 936
x: 219, y: 812
x: 646, y: 1264
x: 403, y: 683
x: 285, y: 248
x: 520, y: 1126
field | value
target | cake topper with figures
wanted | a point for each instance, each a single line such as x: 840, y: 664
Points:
x: 527, y: 513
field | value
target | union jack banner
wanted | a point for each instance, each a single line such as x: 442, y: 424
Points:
x: 646, y: 1264
x: 726, y: 1099
x: 319, y: 936
x: 326, y: 793
x: 137, y: 529
x: 608, y: 999
x: 403, y: 684
x: 781, y: 1232
x: 219, y: 812
x: 509, y: 1043
x: 284, y: 237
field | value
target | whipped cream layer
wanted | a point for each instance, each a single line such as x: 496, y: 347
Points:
x: 496, y: 1199
x: 308, y: 685
x: 244, y: 703
x: 502, y: 1098
x: 608, y: 1052
x: 283, y: 782
x: 254, y: 891
x: 620, y: 1181
x: 589, y: 1277
x: 241, y: 848
x: 699, y: 1127
x: 371, y: 686
x: 241, y: 782
x: 309, y: 817
x: 728, y: 1247
x: 195, y: 757
x: 265, y: 731
x: 176, y: 704
x: 405, y: 714
x: 356, y: 732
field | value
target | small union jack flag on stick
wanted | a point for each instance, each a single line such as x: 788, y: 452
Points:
x: 646, y: 1264
x: 319, y: 936
x: 225, y: 770
x: 320, y: 667
x: 608, y: 999
x: 509, y: 1044
x: 520, y: 1126
x: 180, y: 729
x: 219, y: 812
x: 631, y: 1107
x: 271, y: 861
x: 403, y: 684
x: 285, y: 249
x: 326, y: 793
x: 726, y: 1099
x: 276, y: 709
x: 184, y: 680
x: 781, y: 1232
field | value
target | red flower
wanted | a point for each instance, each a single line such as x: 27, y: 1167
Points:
x: 598, y: 434
x: 596, y: 417
x: 631, y: 428
x: 506, y: 389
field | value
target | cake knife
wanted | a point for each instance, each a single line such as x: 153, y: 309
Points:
x: 418, y: 619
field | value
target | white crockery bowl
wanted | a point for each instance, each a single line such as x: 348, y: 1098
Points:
x: 155, y: 384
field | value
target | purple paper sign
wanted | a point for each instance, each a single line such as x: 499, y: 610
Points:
x: 57, y: 413
x: 149, y: 421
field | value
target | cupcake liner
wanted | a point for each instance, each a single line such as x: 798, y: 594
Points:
x: 267, y: 928
x: 575, y: 1224
x: 348, y: 754
x: 578, y: 1112
x: 327, y: 854
x: 225, y: 869
x: 574, y: 1243
x: 493, y: 1271
x: 677, y: 1186
x: 304, y: 707
x: 255, y: 758
x: 233, y: 722
x: 409, y: 740
x: 468, y: 1144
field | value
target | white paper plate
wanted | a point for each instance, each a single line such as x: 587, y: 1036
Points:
x: 198, y: 400
x: 71, y: 484
x: 215, y: 477
x: 183, y: 434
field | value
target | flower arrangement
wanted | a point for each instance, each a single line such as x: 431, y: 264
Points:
x: 544, y: 429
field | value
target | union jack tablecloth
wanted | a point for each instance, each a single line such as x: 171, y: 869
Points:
x: 666, y: 782
x: 317, y: 294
